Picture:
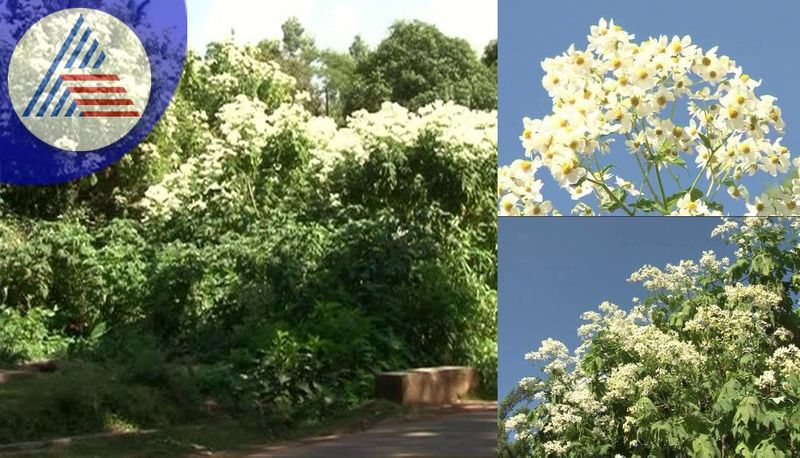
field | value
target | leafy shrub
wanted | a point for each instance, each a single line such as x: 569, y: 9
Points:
x: 26, y: 337
x: 226, y: 258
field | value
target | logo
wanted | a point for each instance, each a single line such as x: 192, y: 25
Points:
x: 84, y: 91
x: 83, y: 86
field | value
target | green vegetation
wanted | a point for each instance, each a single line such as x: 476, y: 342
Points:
x: 253, y: 257
x: 706, y: 365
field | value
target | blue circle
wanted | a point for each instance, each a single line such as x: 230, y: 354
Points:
x: 161, y: 27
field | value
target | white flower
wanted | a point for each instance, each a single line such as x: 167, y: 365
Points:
x: 691, y: 207
x: 629, y: 187
x: 615, y: 88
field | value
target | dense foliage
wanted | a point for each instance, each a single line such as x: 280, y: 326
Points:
x: 416, y: 65
x: 261, y: 256
x: 708, y: 365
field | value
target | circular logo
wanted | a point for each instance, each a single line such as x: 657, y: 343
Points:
x: 79, y: 79
x: 83, y: 82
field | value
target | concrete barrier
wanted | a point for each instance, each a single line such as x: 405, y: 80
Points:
x: 427, y: 386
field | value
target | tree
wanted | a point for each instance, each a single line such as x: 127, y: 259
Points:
x: 295, y: 39
x: 337, y: 73
x: 416, y: 65
x: 359, y: 50
x: 490, y: 55
x: 707, y: 365
x: 296, y: 54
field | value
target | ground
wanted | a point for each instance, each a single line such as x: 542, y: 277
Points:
x: 376, y: 429
x: 465, y: 431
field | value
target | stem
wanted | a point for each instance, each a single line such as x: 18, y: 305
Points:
x: 611, y: 194
x: 661, y: 185
x: 645, y: 174
x: 658, y: 172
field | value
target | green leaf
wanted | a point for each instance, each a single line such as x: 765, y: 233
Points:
x: 728, y: 396
x: 706, y: 141
x: 763, y: 264
x: 99, y: 331
x: 748, y: 411
x: 647, y: 205
x: 738, y: 269
x: 715, y: 206
x: 613, y: 204
x: 675, y: 160
x: 705, y: 447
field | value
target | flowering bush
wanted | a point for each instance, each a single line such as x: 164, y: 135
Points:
x: 707, y: 365
x: 247, y: 235
x: 617, y: 90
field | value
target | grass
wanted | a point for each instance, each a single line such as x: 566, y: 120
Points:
x: 214, y: 436
x: 86, y: 399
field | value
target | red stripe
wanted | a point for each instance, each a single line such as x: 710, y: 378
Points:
x: 104, y: 102
x: 90, y: 77
x: 110, y: 114
x: 97, y: 90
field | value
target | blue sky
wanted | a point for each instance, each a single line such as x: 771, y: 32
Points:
x: 334, y: 23
x: 552, y: 270
x: 762, y: 37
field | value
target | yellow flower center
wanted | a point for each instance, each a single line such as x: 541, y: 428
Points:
x: 635, y: 101
x: 741, y: 99
x: 616, y: 63
x: 733, y: 113
x: 706, y: 61
x: 677, y: 47
x: 527, y: 134
x: 642, y: 74
x: 662, y: 100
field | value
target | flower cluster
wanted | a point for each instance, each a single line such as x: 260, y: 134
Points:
x: 616, y: 89
x: 214, y: 178
x: 681, y: 278
x: 708, y: 345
